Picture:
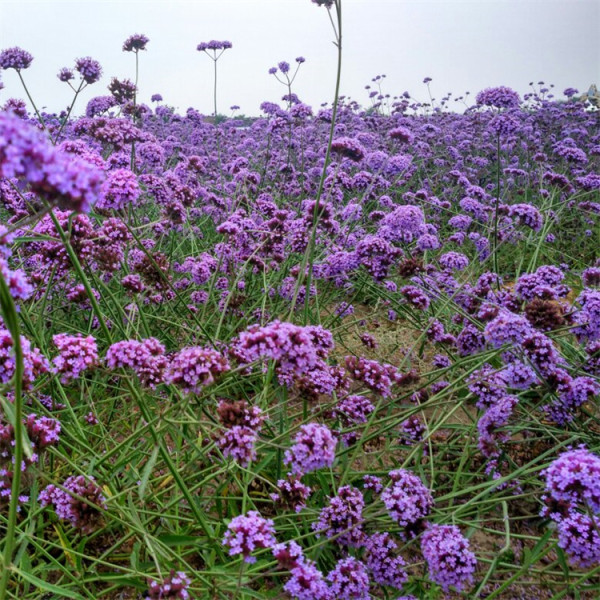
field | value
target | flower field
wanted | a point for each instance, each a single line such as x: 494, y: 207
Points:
x: 324, y: 353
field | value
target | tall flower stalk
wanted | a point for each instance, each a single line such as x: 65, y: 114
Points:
x: 11, y: 321
x: 134, y: 44
x: 214, y: 50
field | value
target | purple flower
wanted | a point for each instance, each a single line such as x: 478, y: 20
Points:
x: 378, y: 377
x: 213, y: 45
x: 349, y: 580
x: 588, y: 318
x: 174, y: 586
x: 454, y: 261
x: 383, y: 561
x: 348, y: 148
x: 402, y: 134
x: 307, y: 582
x: 527, y: 215
x: 579, y: 537
x: 291, y: 493
x: 470, y: 340
x: 518, y: 375
x: 119, y: 190
x: 412, y: 431
x: 314, y: 448
x: 415, y: 297
x: 34, y: 363
x: 491, y: 421
x: 298, y: 351
x: 239, y: 443
x: 83, y: 514
x: 498, y: 97
x: 487, y: 385
x: 574, y: 478
x: 247, y: 533
x: 89, y: 69
x: 504, y: 125
x: 589, y: 182
x: 592, y: 364
x: 343, y: 518
x: 135, y: 43
x: 17, y: 282
x: 428, y: 241
x: 15, y: 58
x: 354, y: 409
x: 572, y: 395
x: 371, y: 482
x: 542, y: 354
x: 404, y: 224
x: 76, y: 354
x: 195, y: 367
x: 326, y: 3
x: 407, y: 500
x: 65, y: 74
x: 71, y: 182
x: 288, y: 555
x: 42, y: 431
x: 451, y: 563
x: 146, y: 358
x: 377, y: 255
x: 507, y: 328
x: 99, y: 105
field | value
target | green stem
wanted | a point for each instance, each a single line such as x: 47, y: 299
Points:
x: 37, y: 112
x: 11, y: 320
x: 66, y: 119
x: 131, y: 388
x: 215, y: 90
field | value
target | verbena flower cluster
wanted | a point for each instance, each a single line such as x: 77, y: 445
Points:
x: 26, y: 154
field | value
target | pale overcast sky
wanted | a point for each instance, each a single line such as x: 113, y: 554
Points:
x: 461, y: 45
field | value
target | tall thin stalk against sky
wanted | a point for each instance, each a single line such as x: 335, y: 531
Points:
x: 214, y: 50
x: 134, y: 44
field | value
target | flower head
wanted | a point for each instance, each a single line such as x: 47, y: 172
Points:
x: 65, y: 74
x: 135, y: 43
x: 574, y: 478
x: 349, y: 580
x: 408, y: 501
x: 451, y: 562
x: 247, y: 533
x: 80, y: 502
x: 174, y: 586
x: 314, y: 448
x: 15, y: 58
x: 195, y: 367
x: 70, y: 181
x: 76, y: 354
x: 89, y: 69
x: 498, y: 97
